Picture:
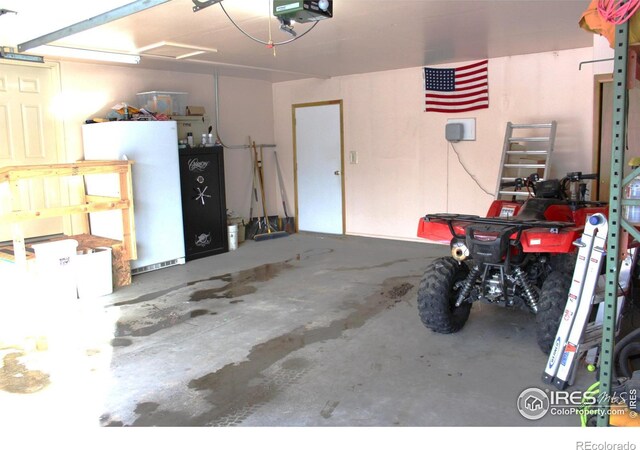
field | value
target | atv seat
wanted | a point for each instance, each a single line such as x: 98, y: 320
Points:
x: 534, y: 208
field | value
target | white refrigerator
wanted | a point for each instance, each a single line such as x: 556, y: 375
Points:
x: 153, y: 146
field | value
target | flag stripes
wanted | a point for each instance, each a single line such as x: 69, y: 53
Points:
x: 461, y: 89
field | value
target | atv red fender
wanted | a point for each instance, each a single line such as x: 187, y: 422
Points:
x: 533, y: 240
x: 555, y: 234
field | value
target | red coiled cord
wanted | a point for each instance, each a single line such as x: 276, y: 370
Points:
x: 617, y: 11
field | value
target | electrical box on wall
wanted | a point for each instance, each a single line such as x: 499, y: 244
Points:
x: 468, y: 129
x: 453, y: 132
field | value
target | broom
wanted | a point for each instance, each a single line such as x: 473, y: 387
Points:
x: 289, y: 222
x: 270, y: 234
x: 253, y: 227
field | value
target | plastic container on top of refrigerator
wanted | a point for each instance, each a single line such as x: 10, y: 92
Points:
x: 162, y: 102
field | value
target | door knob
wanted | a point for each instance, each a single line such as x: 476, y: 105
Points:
x: 337, y: 172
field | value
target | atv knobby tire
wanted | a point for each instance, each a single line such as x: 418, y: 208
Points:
x: 437, y: 296
x: 553, y: 300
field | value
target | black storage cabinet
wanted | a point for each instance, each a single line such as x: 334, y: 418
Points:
x: 204, y: 210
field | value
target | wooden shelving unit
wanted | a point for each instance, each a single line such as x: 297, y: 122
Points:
x: 14, y: 174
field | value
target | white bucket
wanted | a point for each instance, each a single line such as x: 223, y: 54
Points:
x: 55, y: 270
x: 233, y: 236
x: 93, y: 273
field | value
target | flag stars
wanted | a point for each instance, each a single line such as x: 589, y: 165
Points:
x: 440, y: 79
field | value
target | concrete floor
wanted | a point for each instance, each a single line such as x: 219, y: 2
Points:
x: 308, y: 330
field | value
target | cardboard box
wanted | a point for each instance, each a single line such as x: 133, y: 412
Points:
x: 196, y: 125
x: 195, y: 111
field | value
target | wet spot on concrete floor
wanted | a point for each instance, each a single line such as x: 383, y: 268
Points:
x: 235, y: 285
x: 146, y: 407
x: 239, y: 283
x: 311, y: 253
x: 398, y: 291
x: 234, y: 281
x: 121, y: 342
x: 149, y: 296
x: 150, y: 414
x: 198, y: 312
x: 16, y: 378
x: 148, y: 327
x: 329, y: 408
x: 377, y: 266
x: 107, y: 421
x: 238, y: 389
x: 295, y: 364
x: 227, y: 291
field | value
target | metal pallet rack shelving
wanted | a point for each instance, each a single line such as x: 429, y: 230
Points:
x: 617, y: 221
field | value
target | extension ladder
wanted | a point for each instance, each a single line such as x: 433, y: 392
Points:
x: 577, y: 332
x: 525, y: 154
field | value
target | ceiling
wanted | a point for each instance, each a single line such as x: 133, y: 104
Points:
x: 363, y: 36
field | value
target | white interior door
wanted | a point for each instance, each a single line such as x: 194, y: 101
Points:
x: 28, y: 135
x: 319, y: 163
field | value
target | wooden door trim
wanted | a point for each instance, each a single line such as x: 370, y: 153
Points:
x: 598, y: 82
x: 295, y: 157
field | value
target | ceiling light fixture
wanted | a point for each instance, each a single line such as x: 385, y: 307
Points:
x: 81, y: 53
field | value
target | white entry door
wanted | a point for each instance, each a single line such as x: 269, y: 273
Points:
x: 319, y: 162
x: 29, y: 135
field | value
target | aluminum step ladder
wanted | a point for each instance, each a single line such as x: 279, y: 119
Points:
x: 579, y: 332
x: 527, y: 149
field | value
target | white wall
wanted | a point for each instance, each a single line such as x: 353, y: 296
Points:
x: 602, y: 50
x: 246, y: 113
x: 90, y: 90
x: 406, y: 168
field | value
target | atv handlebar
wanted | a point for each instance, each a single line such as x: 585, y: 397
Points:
x: 519, y: 183
x: 532, y: 184
x: 578, y: 176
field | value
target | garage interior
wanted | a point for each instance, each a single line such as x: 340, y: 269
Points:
x: 310, y: 318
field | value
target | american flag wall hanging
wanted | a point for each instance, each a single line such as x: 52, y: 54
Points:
x: 461, y: 89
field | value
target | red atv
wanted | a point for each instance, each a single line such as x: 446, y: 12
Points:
x: 521, y: 255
